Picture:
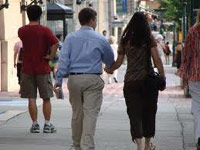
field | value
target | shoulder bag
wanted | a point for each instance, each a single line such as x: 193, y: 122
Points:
x: 154, y: 79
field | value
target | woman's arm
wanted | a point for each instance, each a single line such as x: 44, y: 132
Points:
x: 15, y: 58
x: 116, y: 65
x: 157, y: 61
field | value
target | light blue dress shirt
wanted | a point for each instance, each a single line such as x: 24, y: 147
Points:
x: 84, y: 51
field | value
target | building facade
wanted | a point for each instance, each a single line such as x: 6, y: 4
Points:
x: 122, y: 11
x: 12, y: 18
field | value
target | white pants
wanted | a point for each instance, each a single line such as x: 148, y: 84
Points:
x: 194, y: 88
x: 85, y: 95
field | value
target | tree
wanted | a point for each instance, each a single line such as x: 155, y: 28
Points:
x: 174, y: 9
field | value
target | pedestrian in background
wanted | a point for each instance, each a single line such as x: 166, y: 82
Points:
x: 54, y: 62
x: 189, y: 71
x: 59, y: 36
x: 160, y: 47
x: 37, y: 40
x: 105, y: 34
x: 138, y: 45
x: 178, y: 54
x: 114, y: 47
x: 81, y: 60
x: 18, y: 53
x: 167, y: 52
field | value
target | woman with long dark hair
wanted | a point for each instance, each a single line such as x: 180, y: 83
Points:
x: 138, y: 45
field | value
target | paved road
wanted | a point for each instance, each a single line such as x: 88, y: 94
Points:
x: 174, y: 121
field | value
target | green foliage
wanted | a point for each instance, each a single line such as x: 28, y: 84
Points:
x: 173, y: 9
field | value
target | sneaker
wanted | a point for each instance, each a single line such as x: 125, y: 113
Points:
x: 73, y: 147
x: 49, y: 128
x: 35, y: 128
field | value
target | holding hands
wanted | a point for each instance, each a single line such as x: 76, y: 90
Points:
x: 109, y: 70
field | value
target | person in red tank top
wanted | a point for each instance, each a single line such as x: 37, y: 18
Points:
x: 40, y: 46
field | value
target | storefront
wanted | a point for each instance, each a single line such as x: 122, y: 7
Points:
x: 60, y: 19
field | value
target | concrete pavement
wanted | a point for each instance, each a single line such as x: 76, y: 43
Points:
x: 174, y: 128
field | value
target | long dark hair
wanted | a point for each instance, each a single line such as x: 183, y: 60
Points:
x: 137, y: 32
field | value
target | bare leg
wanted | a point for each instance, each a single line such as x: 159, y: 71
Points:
x: 147, y: 143
x: 139, y: 143
x: 47, y: 109
x: 32, y: 107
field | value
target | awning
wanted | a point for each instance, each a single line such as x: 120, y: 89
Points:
x: 56, y: 11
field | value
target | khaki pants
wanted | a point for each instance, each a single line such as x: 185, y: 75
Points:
x: 85, y: 94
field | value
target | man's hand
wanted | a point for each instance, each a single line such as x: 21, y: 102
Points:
x: 109, y: 71
x: 15, y: 65
x: 55, y: 86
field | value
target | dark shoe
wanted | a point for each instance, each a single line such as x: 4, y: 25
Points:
x: 49, y: 128
x: 35, y: 128
x: 116, y: 81
x: 198, y: 144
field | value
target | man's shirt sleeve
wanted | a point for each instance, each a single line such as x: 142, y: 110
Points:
x: 108, y: 55
x: 64, y: 61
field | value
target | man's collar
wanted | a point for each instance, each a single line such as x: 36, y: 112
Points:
x: 86, y: 27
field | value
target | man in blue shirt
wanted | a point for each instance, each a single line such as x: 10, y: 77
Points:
x: 81, y: 60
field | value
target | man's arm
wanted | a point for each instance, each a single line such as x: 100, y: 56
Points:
x: 108, y: 55
x: 119, y: 61
x: 53, y: 51
x: 53, y: 44
x: 64, y: 62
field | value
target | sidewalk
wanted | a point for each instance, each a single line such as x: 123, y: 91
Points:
x: 174, y: 129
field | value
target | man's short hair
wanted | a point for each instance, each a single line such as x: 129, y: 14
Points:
x: 34, y: 12
x: 85, y: 15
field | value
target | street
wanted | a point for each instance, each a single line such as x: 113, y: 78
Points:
x: 174, y: 127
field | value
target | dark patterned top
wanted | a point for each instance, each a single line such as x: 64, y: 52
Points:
x: 138, y: 59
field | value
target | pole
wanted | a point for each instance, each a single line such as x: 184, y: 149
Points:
x: 184, y: 20
x: 174, y: 45
x: 110, y: 14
